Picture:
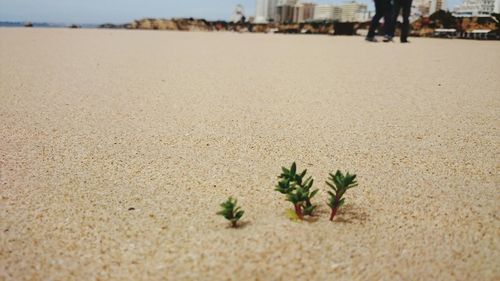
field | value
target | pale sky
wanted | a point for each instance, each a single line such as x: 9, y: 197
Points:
x: 121, y: 11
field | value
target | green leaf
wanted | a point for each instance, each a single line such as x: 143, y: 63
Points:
x: 330, y: 203
x: 308, y: 210
x: 239, y: 214
x: 285, y: 170
x: 310, y: 183
x: 283, y: 186
x: 313, y: 193
x: 303, y: 173
x: 341, y: 202
x: 298, y: 179
x: 332, y: 186
x: 291, y: 197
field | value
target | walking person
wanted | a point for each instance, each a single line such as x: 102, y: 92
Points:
x: 405, y: 7
x: 383, y: 8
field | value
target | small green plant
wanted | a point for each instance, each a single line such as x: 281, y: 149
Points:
x: 297, y: 189
x: 230, y: 211
x: 340, y: 184
x: 297, y: 197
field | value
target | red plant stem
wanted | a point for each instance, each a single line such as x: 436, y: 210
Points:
x: 298, y: 211
x: 334, y: 211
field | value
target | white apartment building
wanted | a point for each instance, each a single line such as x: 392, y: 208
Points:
x: 420, y: 8
x: 297, y: 11
x: 303, y: 12
x: 477, y: 8
x: 352, y: 10
x: 364, y: 16
x: 265, y: 11
x: 347, y: 12
x: 327, y: 12
x: 285, y: 11
x: 271, y: 10
x: 261, y: 11
x: 337, y: 13
x: 287, y: 2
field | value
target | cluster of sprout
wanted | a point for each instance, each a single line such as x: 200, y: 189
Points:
x: 298, y: 190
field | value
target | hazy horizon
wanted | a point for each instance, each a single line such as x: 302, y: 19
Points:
x: 114, y: 11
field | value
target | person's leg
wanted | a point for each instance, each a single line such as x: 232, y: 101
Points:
x: 405, y: 28
x: 379, y: 13
x: 396, y: 7
x: 388, y: 19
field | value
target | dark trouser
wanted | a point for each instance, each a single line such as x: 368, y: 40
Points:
x: 382, y: 9
x: 405, y: 6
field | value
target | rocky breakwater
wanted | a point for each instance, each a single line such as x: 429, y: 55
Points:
x: 172, y: 24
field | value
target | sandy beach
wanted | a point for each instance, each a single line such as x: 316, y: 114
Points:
x: 117, y: 147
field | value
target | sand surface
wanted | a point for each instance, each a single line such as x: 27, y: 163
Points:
x: 95, y: 122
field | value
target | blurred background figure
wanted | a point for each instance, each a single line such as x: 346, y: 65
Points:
x: 383, y: 8
x: 405, y: 7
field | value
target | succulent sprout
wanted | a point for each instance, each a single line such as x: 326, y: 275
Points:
x: 339, y: 184
x: 297, y: 189
x: 230, y: 211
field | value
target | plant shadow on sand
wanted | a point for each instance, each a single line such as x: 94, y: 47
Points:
x: 240, y: 225
x: 347, y: 214
x: 351, y: 214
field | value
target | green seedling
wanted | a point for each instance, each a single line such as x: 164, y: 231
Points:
x: 230, y: 211
x: 297, y: 198
x: 297, y: 190
x: 308, y: 207
x: 339, y: 184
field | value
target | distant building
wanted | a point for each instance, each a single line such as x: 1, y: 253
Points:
x: 337, y: 13
x: 351, y: 11
x: 477, y: 8
x: 420, y: 8
x: 260, y: 11
x: 364, y: 16
x: 265, y: 11
x: 287, y: 2
x: 303, y: 12
x: 327, y: 12
x: 284, y: 13
x: 271, y: 7
x: 284, y: 10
